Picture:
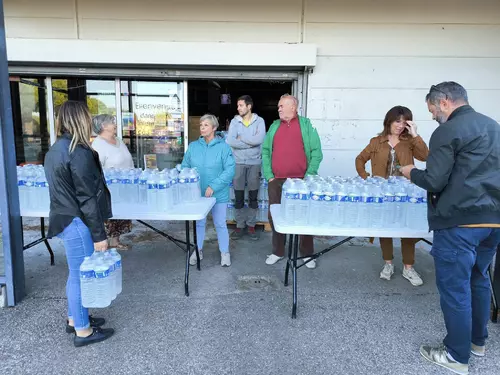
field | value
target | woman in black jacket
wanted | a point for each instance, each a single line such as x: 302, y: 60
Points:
x: 79, y: 204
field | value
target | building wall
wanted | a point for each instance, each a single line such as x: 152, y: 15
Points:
x: 372, y: 54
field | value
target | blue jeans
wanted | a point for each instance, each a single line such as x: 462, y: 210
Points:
x: 219, y: 216
x: 78, y: 244
x: 462, y: 257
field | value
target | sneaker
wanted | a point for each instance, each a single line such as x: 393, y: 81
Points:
x: 439, y: 356
x: 254, y: 236
x: 98, y: 334
x: 272, y: 259
x: 94, y: 322
x: 387, y: 271
x: 225, y: 259
x: 237, y: 234
x: 192, y: 258
x: 477, y: 350
x: 311, y: 264
x: 412, y: 276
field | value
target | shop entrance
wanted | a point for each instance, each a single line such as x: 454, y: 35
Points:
x: 219, y: 97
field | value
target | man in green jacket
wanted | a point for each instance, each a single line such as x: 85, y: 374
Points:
x: 291, y: 149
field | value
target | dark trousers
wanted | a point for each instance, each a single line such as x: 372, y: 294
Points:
x: 306, y: 242
x: 462, y: 257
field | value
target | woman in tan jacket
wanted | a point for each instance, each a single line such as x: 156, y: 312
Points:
x: 397, y: 145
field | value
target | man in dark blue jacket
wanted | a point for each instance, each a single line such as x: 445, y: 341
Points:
x: 462, y: 178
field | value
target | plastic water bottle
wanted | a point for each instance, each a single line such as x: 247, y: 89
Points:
x: 302, y: 204
x: 231, y: 191
x: 284, y: 201
x: 110, y: 261
x: 290, y: 199
x: 365, y: 206
x: 341, y: 198
x: 143, y: 188
x: 230, y: 210
x: 377, y: 208
x: 265, y: 211
x: 115, y: 186
x: 316, y: 208
x: 152, y: 193
x: 174, y: 181
x: 352, y: 206
x: 135, y: 173
x: 118, y: 269
x: 330, y: 206
x: 194, y: 185
x: 31, y: 200
x: 184, y: 188
x: 23, y: 190
x: 162, y: 196
x: 87, y: 283
x: 102, y: 290
x: 389, y: 205
x: 400, y: 204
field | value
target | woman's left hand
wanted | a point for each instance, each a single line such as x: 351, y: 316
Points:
x: 209, y: 192
x: 412, y: 128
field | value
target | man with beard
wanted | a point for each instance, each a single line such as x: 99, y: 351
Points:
x: 246, y: 135
x: 462, y: 178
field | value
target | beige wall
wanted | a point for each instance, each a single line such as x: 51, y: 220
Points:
x: 372, y: 54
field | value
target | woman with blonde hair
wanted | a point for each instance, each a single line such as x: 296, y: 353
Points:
x: 79, y: 204
x: 213, y: 159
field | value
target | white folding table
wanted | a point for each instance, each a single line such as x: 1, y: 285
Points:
x: 187, y: 212
x: 294, y: 231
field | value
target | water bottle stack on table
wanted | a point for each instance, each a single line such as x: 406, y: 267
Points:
x: 151, y: 189
x: 33, y: 188
x: 354, y: 203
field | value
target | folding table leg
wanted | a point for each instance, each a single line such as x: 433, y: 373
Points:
x: 294, y: 275
x: 42, y: 232
x: 287, y: 269
x: 195, y: 237
x: 188, y: 254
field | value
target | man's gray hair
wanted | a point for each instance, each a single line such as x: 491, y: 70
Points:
x: 293, y: 98
x: 447, y: 90
x: 211, y: 119
x: 99, y: 121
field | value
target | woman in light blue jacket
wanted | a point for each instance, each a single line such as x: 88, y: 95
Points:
x: 213, y: 159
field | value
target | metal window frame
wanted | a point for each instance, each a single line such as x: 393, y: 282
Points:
x: 118, y: 103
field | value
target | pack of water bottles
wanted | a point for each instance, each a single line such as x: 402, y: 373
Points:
x: 354, y: 202
x: 151, y: 189
x: 101, y: 278
x: 263, y: 202
x: 33, y: 188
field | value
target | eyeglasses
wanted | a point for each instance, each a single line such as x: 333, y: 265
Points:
x: 434, y: 88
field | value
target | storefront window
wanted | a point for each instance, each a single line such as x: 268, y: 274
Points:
x: 153, y: 121
x: 29, y: 112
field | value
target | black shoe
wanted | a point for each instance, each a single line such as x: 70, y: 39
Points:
x: 94, y: 322
x: 98, y: 335
x: 237, y: 234
x: 254, y: 236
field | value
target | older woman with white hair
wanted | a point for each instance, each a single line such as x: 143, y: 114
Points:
x: 213, y: 159
x: 112, y: 153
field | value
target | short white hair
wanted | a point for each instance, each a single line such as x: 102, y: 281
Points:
x: 211, y: 119
x: 291, y: 97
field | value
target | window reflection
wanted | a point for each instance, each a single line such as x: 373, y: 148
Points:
x: 153, y: 121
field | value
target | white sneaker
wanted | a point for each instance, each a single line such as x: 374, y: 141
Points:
x: 387, y: 271
x: 272, y: 259
x: 192, y: 258
x: 412, y: 276
x: 225, y: 259
x: 311, y: 264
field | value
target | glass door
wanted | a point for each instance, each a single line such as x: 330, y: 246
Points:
x: 153, y: 122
